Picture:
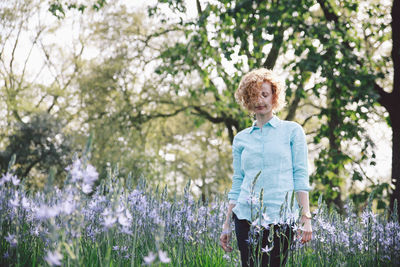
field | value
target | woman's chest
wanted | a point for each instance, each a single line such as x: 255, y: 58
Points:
x: 266, y: 150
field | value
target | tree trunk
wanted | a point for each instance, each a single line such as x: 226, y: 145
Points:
x: 392, y: 104
x: 334, y: 151
x: 395, y: 119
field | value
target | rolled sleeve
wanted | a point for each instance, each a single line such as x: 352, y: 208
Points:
x: 238, y: 174
x: 299, y: 160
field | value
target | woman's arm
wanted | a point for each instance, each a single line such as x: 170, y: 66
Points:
x: 229, y: 214
x: 225, y: 237
x: 237, y: 180
x: 238, y: 174
x: 301, y: 180
x: 304, y: 203
x: 305, y: 219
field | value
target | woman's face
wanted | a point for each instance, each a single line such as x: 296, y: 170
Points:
x: 263, y: 105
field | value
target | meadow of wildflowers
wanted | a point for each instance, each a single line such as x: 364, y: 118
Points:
x: 115, y: 223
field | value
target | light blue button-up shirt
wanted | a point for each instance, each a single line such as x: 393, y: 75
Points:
x: 279, y: 151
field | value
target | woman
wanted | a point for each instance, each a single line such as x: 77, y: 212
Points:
x: 269, y: 162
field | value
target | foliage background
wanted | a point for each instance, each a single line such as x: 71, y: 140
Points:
x: 154, y: 84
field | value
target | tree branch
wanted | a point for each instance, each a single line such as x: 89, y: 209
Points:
x: 294, y: 105
x: 274, y: 52
x: 308, y: 118
x: 208, y: 116
x: 331, y: 16
x: 29, y: 55
x: 396, y: 48
x: 199, y: 11
x: 384, y: 97
x: 328, y: 11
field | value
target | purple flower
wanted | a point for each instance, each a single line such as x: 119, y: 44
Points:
x: 149, y: 258
x: 45, y: 212
x: 15, y: 180
x: 163, y: 257
x: 267, y: 249
x: 90, y: 175
x: 124, y: 220
x: 227, y: 257
x: 109, y: 221
x: 366, y: 215
x: 106, y: 212
x: 75, y: 170
x: 265, y: 220
x: 12, y: 240
x: 25, y: 203
x: 6, y: 177
x: 53, y: 258
x: 67, y: 207
x: 253, y: 200
x: 15, y: 201
x: 87, y: 188
x: 87, y: 175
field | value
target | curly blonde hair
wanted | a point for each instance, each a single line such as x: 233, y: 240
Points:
x: 250, y: 87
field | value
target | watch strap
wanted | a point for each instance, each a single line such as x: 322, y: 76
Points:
x: 307, y: 215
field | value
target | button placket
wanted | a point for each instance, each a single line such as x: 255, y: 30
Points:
x: 264, y: 141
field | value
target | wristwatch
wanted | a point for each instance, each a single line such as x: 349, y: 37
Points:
x: 306, y: 214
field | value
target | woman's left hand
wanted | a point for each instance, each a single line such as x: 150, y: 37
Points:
x: 306, y: 229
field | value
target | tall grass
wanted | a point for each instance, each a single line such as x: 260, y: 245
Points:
x: 118, y: 224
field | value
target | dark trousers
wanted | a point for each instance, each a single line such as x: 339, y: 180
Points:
x: 282, y: 238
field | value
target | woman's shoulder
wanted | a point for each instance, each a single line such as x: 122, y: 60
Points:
x: 291, y: 124
x: 243, y: 133
x: 293, y: 128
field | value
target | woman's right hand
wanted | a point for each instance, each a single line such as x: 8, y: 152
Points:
x: 225, y: 238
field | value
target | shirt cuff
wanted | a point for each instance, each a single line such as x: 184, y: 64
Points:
x: 232, y: 201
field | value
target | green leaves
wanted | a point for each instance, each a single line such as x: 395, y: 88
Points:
x: 39, y: 145
x: 58, y: 9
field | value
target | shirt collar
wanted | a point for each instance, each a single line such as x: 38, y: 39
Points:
x: 274, y: 122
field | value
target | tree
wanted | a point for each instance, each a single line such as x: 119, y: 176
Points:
x: 192, y: 150
x: 115, y: 106
x: 105, y: 95
x: 228, y: 38
x: 30, y: 85
x: 375, y: 34
x: 35, y: 106
x: 38, y: 145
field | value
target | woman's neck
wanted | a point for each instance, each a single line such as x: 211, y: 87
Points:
x: 263, y: 119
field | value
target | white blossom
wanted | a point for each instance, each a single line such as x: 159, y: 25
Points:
x: 87, y: 188
x: 15, y: 201
x: 12, y: 240
x: 149, y: 258
x: 53, y: 258
x: 15, y: 180
x: 267, y: 249
x: 90, y: 175
x: 109, y: 221
x: 163, y: 257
